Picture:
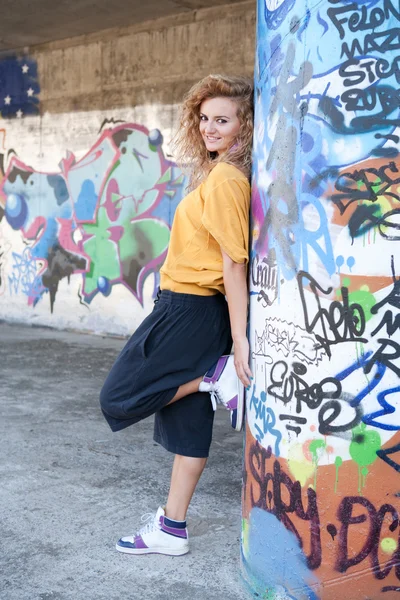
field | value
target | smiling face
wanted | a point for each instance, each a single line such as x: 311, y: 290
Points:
x: 219, y: 123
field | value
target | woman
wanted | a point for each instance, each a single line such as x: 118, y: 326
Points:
x: 166, y: 367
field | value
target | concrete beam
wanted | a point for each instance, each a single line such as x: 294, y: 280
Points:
x: 157, y: 59
x: 26, y: 23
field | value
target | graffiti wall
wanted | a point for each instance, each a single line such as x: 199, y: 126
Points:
x: 85, y: 218
x: 321, y: 494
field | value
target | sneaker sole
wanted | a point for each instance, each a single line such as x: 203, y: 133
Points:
x: 240, y: 407
x: 167, y: 551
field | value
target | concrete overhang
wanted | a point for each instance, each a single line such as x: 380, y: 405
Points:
x: 33, y: 22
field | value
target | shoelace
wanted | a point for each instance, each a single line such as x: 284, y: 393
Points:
x: 150, y: 524
x: 216, y: 395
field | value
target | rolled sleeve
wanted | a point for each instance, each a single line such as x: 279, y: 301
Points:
x: 226, y: 216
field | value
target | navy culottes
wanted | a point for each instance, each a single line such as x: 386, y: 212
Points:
x: 179, y: 341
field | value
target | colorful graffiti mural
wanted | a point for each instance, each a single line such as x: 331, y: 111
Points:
x: 105, y: 217
x: 321, y: 476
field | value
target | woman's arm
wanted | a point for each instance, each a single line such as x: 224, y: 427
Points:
x: 235, y: 282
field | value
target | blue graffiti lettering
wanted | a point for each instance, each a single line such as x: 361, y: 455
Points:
x: 267, y: 419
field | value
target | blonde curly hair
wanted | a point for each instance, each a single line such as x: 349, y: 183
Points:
x: 188, y: 146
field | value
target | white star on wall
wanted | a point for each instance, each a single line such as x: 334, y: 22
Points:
x: 30, y: 92
x: 19, y: 114
x: 7, y: 100
x: 25, y: 68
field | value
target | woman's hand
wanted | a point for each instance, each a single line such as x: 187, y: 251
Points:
x: 241, y: 360
x: 235, y: 282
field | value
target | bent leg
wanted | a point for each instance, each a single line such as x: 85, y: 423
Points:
x: 187, y: 388
x: 186, y: 473
x: 158, y: 364
x: 141, y: 405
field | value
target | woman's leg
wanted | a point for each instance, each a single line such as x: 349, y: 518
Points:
x: 165, y: 536
x: 186, y: 472
x: 187, y: 388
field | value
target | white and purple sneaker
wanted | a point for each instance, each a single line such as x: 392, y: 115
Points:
x: 226, y: 388
x: 159, y: 536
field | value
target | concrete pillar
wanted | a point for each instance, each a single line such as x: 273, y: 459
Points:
x: 321, y: 494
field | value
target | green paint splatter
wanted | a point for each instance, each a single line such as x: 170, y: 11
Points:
x: 364, y: 445
x: 363, y: 297
x: 363, y: 449
x: 388, y: 545
x: 346, y: 282
x: 316, y: 445
x: 338, y: 464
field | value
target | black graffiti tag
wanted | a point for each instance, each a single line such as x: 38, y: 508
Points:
x: 325, y: 396
x: 341, y: 322
x: 274, y: 491
x: 388, y: 352
x: 374, y: 519
x: 269, y: 492
x: 366, y: 185
x: 264, y: 275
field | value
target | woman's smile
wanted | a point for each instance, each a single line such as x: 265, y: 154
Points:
x: 219, y: 123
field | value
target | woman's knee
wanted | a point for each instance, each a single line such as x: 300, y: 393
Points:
x: 104, y: 398
x: 109, y: 402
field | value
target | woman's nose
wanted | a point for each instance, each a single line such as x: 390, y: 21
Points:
x: 210, y: 127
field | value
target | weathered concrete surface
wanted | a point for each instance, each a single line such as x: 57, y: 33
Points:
x: 25, y: 23
x: 152, y: 63
x: 70, y: 488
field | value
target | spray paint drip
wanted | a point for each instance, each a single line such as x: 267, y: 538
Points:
x: 316, y: 449
x: 363, y: 448
x: 338, y: 464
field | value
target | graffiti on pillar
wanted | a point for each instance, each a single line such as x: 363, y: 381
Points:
x: 105, y: 217
x: 322, y: 462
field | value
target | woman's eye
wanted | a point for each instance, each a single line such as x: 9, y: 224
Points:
x: 203, y: 118
x: 222, y: 121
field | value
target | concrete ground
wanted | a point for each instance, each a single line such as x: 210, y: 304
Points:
x: 69, y: 488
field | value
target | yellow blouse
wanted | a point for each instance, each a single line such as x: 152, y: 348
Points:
x: 213, y: 216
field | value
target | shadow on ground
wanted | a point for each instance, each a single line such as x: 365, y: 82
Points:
x: 70, y: 488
